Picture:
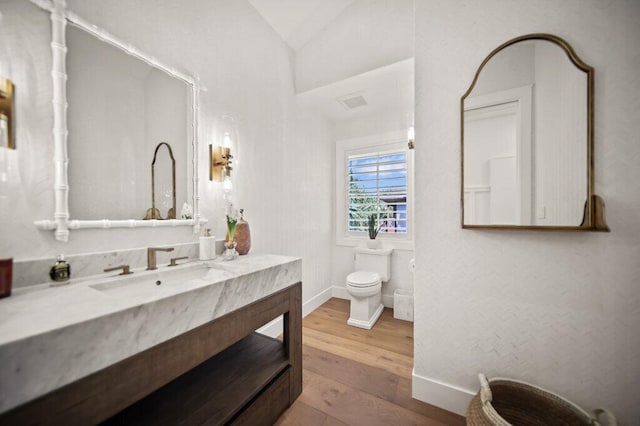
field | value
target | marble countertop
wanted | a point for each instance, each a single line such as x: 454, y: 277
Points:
x: 52, y: 336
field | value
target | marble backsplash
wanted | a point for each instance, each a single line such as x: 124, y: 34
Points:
x: 36, y: 271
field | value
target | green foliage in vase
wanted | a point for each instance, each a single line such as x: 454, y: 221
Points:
x: 372, y: 226
x: 231, y: 226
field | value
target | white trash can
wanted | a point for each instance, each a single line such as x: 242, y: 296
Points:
x: 403, y: 305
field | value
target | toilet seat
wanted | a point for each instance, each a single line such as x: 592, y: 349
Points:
x: 364, y: 284
x: 363, y: 279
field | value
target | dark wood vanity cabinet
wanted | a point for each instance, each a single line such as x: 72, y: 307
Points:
x: 221, y: 372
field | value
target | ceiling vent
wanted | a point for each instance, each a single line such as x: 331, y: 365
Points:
x: 352, y: 101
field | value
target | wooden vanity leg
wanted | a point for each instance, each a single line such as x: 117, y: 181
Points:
x: 293, y: 340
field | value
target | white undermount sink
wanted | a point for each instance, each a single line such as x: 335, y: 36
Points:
x: 161, y: 282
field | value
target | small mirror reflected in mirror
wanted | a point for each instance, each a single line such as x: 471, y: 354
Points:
x: 163, y: 184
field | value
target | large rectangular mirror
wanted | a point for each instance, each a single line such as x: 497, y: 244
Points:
x: 122, y: 106
x: 527, y: 132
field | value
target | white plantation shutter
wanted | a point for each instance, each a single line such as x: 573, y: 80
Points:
x: 377, y: 184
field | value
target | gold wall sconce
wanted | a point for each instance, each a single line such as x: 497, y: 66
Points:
x: 6, y: 114
x: 220, y: 161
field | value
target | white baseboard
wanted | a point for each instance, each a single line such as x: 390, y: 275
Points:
x: 316, y: 301
x: 274, y: 328
x: 443, y: 395
x: 341, y: 293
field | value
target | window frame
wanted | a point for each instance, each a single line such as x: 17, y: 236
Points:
x: 381, y: 142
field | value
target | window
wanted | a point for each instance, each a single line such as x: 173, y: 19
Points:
x: 374, y: 176
x: 378, y: 186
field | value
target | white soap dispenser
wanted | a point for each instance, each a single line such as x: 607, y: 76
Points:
x: 207, y: 246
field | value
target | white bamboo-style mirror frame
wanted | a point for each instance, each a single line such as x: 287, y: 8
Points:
x: 61, y: 223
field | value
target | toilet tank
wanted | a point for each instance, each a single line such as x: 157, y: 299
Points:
x: 374, y: 260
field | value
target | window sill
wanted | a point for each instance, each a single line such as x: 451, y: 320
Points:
x: 405, y: 245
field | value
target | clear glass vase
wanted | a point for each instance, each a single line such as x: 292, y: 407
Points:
x: 230, y: 252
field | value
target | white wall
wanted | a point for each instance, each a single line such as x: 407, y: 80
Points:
x: 369, y: 34
x: 557, y: 309
x: 285, y: 154
x: 377, y: 124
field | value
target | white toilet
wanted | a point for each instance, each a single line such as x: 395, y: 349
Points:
x: 373, y: 267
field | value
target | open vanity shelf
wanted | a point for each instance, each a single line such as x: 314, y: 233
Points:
x: 245, y: 384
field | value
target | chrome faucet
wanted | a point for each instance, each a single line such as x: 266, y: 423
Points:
x: 151, y: 256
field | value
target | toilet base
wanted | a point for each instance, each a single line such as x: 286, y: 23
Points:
x: 364, y: 322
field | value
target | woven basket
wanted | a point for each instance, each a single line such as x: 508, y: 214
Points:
x: 504, y: 402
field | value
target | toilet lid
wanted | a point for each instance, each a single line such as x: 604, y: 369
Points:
x: 363, y: 279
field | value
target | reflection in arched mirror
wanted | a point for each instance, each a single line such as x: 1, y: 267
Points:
x: 527, y: 138
x: 163, y: 183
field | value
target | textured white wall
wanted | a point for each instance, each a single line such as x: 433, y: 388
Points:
x: 377, y: 124
x: 367, y: 35
x: 285, y: 154
x: 561, y: 310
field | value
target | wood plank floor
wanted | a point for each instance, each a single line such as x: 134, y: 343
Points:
x: 356, y: 377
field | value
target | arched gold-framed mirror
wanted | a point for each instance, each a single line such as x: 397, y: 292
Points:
x: 527, y: 140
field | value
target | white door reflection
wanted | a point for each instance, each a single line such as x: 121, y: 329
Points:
x: 497, y: 166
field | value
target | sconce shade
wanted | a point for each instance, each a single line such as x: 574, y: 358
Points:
x: 226, y: 183
x: 411, y: 135
x: 226, y: 141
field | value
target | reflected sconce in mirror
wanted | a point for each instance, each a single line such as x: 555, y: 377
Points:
x: 6, y: 114
x: 220, y: 162
x: 527, y: 140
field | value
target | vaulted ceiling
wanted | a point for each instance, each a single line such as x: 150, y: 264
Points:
x: 386, y: 89
x: 297, y: 21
